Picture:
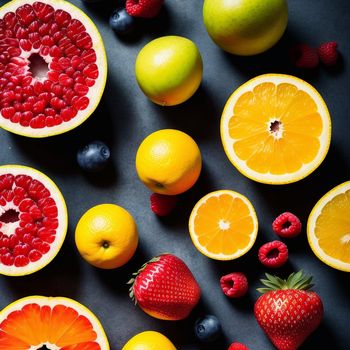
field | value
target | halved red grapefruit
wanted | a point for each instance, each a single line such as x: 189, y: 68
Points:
x: 53, y: 67
x: 52, y: 323
x: 33, y: 220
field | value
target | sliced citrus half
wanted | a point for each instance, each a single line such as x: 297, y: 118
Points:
x: 53, y: 67
x: 223, y: 225
x: 276, y: 129
x: 52, y: 323
x: 33, y: 220
x: 328, y: 228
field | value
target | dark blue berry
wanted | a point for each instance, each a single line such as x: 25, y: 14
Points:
x: 207, y: 328
x: 94, y: 156
x: 121, y: 22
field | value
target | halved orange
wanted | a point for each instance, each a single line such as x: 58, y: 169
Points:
x: 328, y: 228
x: 38, y: 322
x: 276, y: 129
x: 223, y: 225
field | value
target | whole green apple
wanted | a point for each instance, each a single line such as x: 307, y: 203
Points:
x: 169, y: 70
x: 245, y: 27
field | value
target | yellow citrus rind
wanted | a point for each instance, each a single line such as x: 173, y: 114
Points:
x: 17, y: 305
x: 269, y: 178
x: 316, y: 212
x: 221, y: 256
x: 95, y: 93
x: 62, y: 216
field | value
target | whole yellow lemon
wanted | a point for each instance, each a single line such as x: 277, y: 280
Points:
x: 169, y: 70
x: 245, y: 27
x: 106, y: 236
x: 168, y: 161
x: 149, y: 340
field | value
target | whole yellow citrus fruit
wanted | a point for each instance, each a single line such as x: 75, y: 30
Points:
x: 169, y: 70
x: 168, y: 161
x: 245, y: 27
x: 149, y: 340
x: 106, y: 236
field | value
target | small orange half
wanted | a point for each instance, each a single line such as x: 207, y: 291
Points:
x: 223, y: 225
x: 276, y: 129
x: 328, y: 228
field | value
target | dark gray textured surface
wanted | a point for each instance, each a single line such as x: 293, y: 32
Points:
x: 124, y: 117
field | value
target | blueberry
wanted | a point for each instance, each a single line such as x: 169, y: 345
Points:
x: 94, y: 156
x: 207, y: 328
x: 121, y: 22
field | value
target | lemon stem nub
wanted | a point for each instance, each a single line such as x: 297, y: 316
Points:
x: 105, y: 244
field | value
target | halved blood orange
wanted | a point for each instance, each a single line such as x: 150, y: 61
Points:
x: 276, y: 129
x: 53, y: 67
x: 328, y: 228
x: 33, y: 220
x: 52, y: 323
x: 223, y: 225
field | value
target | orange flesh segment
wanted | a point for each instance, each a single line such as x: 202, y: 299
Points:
x: 298, y: 117
x: 35, y: 325
x: 223, y: 224
x: 333, y: 227
x: 7, y: 342
x: 83, y: 346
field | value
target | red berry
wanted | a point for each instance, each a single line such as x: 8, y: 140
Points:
x: 273, y: 254
x: 286, y: 225
x: 162, y: 204
x: 328, y: 53
x: 238, y: 346
x: 304, y: 56
x: 234, y: 285
x: 143, y: 8
x: 165, y: 288
x: 288, y: 311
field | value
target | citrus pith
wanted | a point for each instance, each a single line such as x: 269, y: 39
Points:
x: 276, y: 129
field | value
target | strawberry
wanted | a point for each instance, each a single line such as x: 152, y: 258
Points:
x: 288, y: 311
x: 165, y: 288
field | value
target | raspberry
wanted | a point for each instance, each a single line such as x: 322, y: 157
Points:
x: 328, y: 53
x: 143, y: 8
x: 304, y: 56
x: 238, y: 346
x: 234, y: 285
x: 273, y: 254
x: 286, y: 225
x: 162, y: 204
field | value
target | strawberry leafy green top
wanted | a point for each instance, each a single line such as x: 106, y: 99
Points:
x: 297, y: 280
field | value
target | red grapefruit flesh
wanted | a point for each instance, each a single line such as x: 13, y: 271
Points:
x: 37, y: 322
x: 33, y: 220
x: 53, y: 67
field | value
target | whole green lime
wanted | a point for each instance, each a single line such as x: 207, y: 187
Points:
x: 169, y: 70
x: 245, y: 27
